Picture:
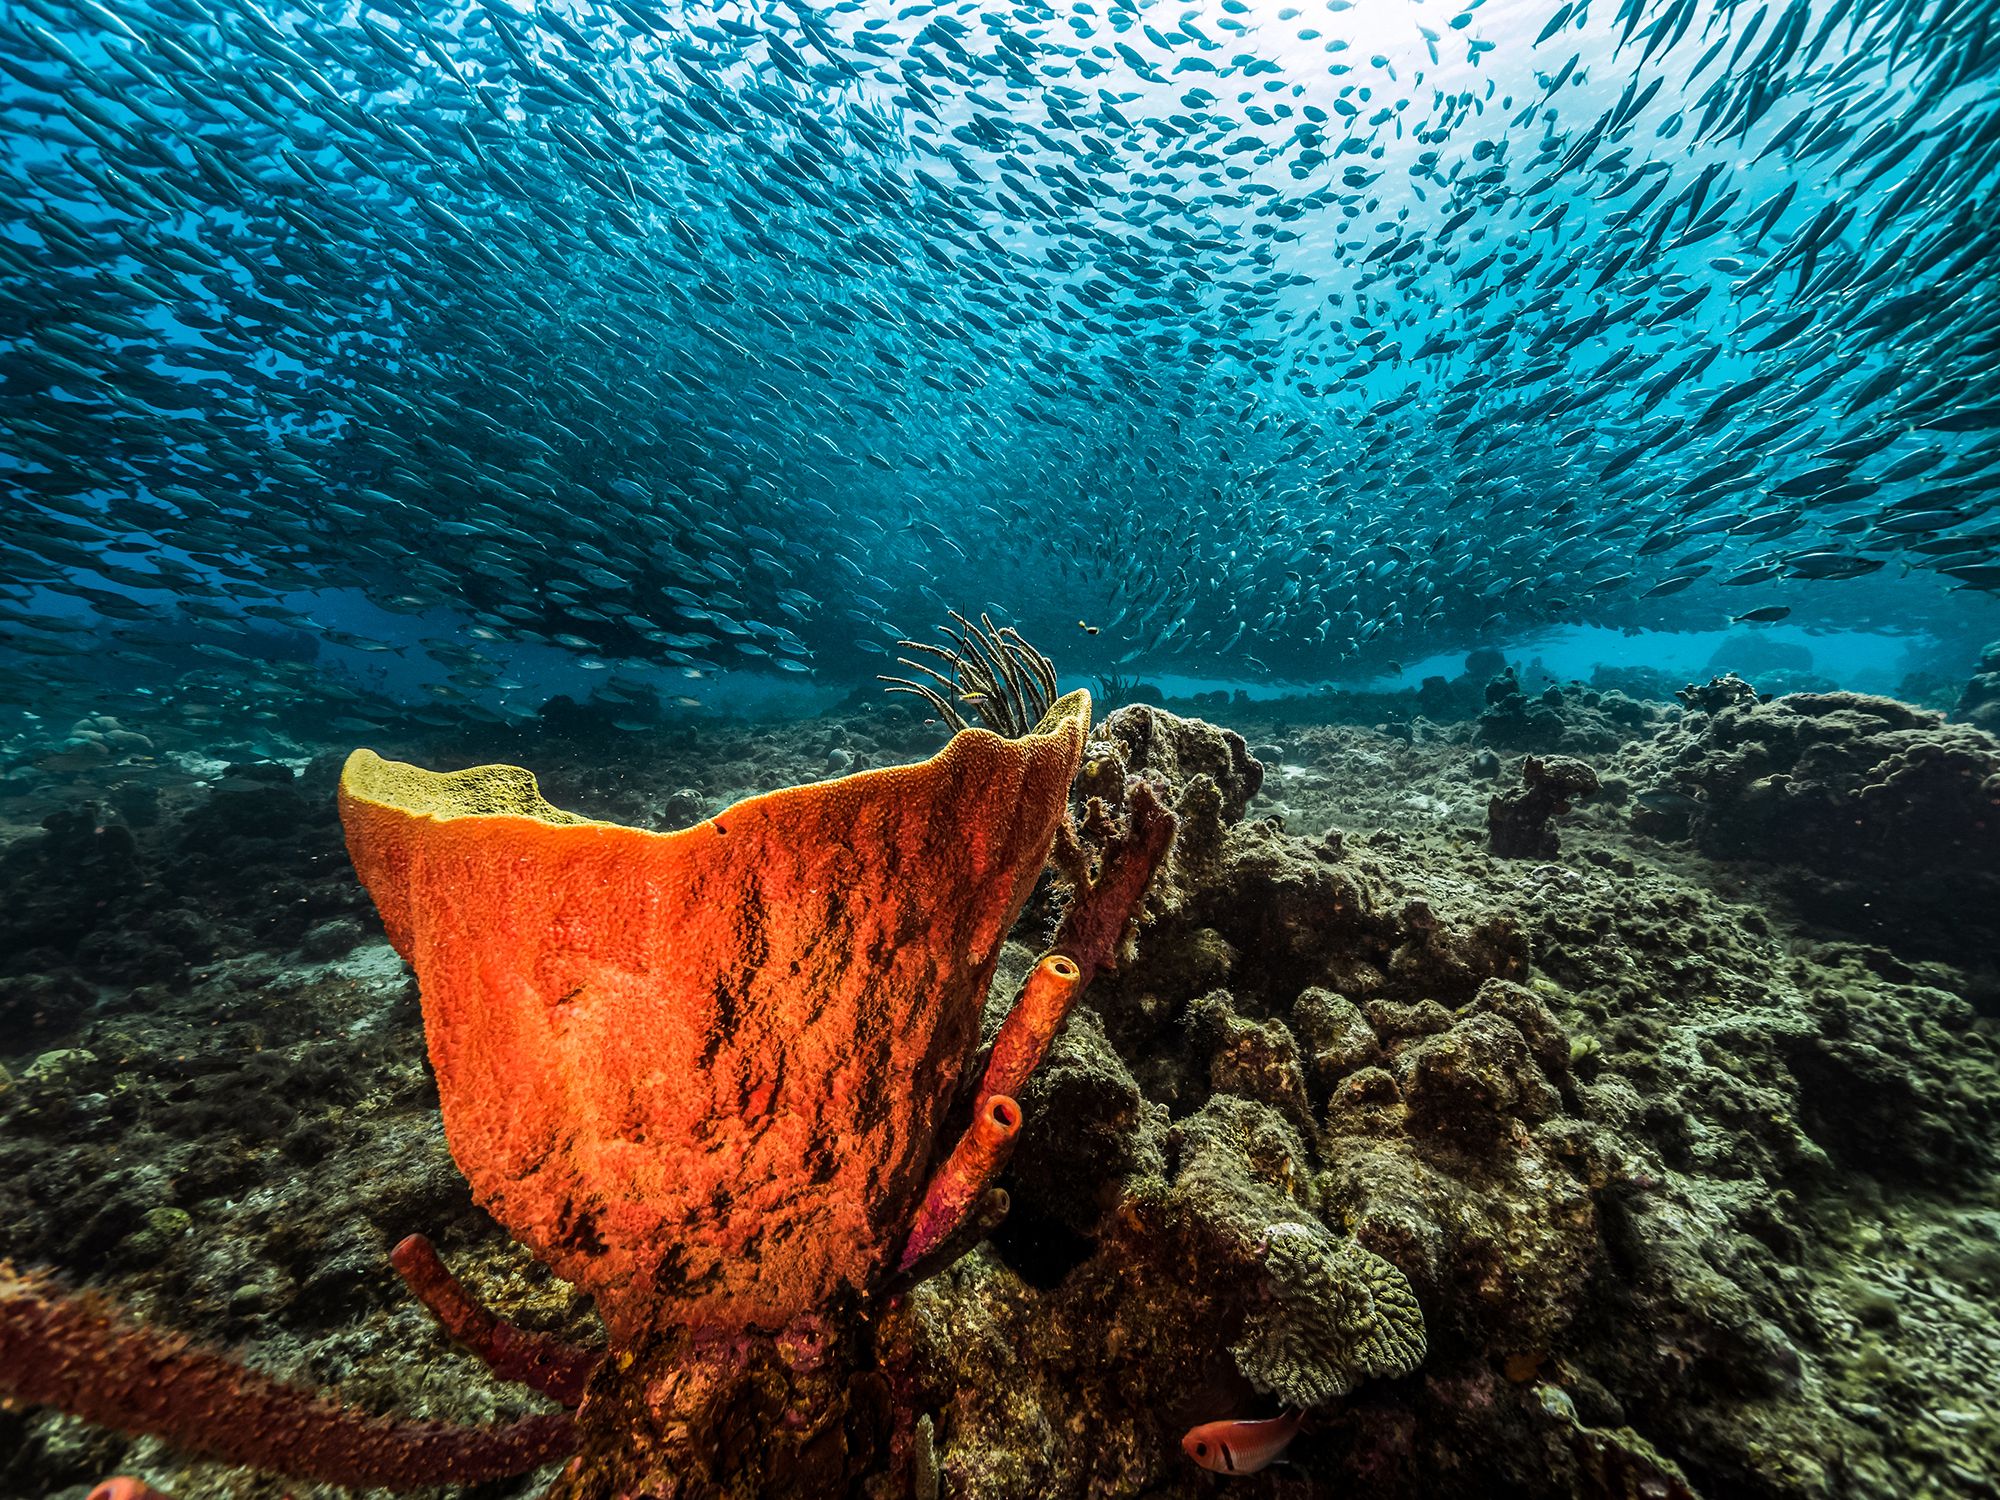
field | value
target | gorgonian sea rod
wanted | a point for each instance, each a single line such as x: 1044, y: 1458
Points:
x: 702, y: 1075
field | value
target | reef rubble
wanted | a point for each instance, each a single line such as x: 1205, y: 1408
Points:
x: 1658, y: 1163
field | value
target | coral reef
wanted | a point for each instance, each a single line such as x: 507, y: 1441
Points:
x: 1634, y: 681
x: 1888, y: 816
x: 1464, y: 1132
x: 1683, y: 1193
x: 1718, y: 693
x: 1517, y: 821
x: 1114, y: 690
x: 457, y: 864
x: 1567, y: 718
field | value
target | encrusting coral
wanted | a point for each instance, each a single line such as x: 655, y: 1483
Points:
x: 702, y: 1075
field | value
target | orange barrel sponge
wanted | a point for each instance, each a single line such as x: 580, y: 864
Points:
x: 699, y: 1073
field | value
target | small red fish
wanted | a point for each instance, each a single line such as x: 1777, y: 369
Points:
x: 125, y: 1487
x: 1240, y: 1445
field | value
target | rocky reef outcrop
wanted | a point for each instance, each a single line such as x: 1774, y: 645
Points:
x: 1460, y: 697
x: 1979, y: 704
x: 1517, y: 821
x: 1587, y: 1116
x: 1889, y: 815
x: 1324, y: 1152
x: 1141, y: 740
x: 1570, y: 718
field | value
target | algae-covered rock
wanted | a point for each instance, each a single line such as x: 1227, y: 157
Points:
x: 1518, y: 821
x: 1088, y: 1130
x: 1253, y: 1059
x: 1145, y: 739
x: 332, y: 938
x: 1472, y: 1075
x: 58, y: 1064
x: 1890, y: 815
x: 1241, y: 1166
x: 1336, y: 1035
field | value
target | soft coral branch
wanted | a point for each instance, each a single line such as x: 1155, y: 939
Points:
x: 74, y: 1353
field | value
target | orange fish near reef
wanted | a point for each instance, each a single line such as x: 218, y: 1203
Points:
x: 125, y: 1487
x: 1240, y: 1446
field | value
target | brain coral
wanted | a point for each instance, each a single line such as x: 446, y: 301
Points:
x: 1337, y: 1314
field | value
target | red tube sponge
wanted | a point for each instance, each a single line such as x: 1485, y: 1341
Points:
x: 547, y: 1365
x: 74, y: 1353
x: 962, y: 1180
x: 1038, y: 1014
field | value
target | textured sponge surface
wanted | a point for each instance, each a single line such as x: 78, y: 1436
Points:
x: 699, y: 1072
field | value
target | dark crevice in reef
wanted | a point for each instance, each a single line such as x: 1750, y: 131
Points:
x: 1040, y: 1250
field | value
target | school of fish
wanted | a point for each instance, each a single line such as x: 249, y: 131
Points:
x: 690, y: 337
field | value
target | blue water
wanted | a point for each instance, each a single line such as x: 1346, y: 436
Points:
x: 1248, y: 345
